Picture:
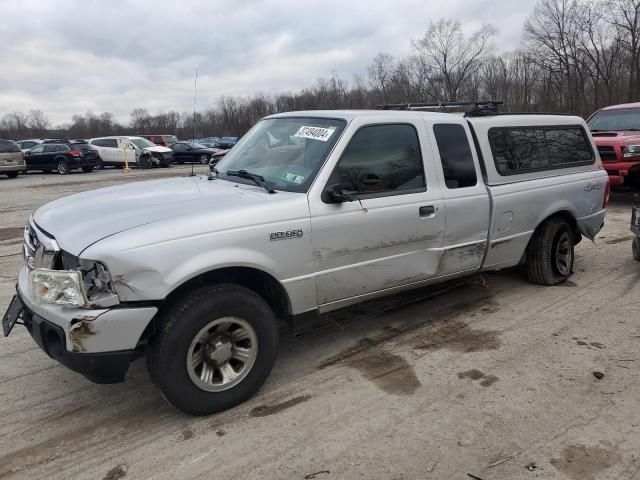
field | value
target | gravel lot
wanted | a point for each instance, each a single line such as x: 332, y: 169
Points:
x: 481, y: 376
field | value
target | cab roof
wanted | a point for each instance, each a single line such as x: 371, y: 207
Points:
x: 500, y: 119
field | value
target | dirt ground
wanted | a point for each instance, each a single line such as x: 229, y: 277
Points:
x: 483, y: 376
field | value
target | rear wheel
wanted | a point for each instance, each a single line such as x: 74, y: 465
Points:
x: 63, y: 167
x: 635, y: 248
x: 550, y: 253
x: 215, y: 348
x: 12, y: 174
x: 100, y: 164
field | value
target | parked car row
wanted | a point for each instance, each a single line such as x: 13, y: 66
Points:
x: 63, y: 156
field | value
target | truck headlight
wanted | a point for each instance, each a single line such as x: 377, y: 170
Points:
x: 631, y: 151
x: 58, y: 287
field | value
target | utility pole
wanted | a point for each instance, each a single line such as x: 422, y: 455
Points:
x: 195, y: 95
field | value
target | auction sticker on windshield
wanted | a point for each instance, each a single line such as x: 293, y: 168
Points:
x: 293, y: 178
x: 315, y: 133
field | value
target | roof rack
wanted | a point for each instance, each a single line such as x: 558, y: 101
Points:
x: 475, y: 107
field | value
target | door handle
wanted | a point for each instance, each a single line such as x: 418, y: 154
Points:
x: 427, y: 211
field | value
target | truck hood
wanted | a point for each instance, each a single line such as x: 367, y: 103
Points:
x: 615, y: 138
x: 158, y: 148
x: 82, y: 219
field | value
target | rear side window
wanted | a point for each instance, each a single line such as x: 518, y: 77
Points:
x: 455, y: 155
x: 107, y: 142
x: 381, y: 159
x: 8, y: 146
x: 529, y: 149
x: 81, y: 146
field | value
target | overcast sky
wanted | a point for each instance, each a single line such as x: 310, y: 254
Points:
x: 70, y: 56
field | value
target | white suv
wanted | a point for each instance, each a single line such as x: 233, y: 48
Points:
x: 137, y: 151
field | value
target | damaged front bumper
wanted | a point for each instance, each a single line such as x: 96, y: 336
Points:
x: 97, y: 343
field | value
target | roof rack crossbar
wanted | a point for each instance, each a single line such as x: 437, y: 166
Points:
x: 476, y: 107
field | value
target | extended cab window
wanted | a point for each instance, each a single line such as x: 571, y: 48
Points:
x: 455, y: 155
x: 381, y: 159
x: 522, y: 149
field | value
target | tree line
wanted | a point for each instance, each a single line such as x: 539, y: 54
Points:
x: 577, y: 56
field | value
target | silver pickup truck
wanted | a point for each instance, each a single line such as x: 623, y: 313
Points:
x: 309, y: 212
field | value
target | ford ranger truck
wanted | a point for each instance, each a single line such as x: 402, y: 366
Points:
x: 310, y: 212
x: 616, y: 131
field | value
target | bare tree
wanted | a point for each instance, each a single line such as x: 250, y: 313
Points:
x: 625, y: 16
x: 455, y: 57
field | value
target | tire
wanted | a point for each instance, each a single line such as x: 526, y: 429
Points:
x: 12, y: 174
x: 100, y: 164
x: 635, y: 248
x: 87, y: 169
x: 145, y: 162
x: 62, y: 167
x: 186, y: 320
x: 550, y: 254
x: 203, y: 159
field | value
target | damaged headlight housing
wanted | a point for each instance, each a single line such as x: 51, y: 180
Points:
x: 81, y: 283
x: 631, y: 151
x: 58, y: 287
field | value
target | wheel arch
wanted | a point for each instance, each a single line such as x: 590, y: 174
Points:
x: 566, y: 215
x: 256, y: 280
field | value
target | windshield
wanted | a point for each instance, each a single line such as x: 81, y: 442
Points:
x: 171, y: 138
x: 616, y: 120
x: 142, y: 143
x: 197, y: 145
x: 228, y: 139
x: 287, y: 152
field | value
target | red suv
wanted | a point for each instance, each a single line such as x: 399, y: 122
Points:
x: 616, y: 131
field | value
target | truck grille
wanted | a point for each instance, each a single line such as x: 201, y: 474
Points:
x: 39, y: 250
x: 607, y: 153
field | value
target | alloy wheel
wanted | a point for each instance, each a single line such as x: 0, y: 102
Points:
x: 222, y: 354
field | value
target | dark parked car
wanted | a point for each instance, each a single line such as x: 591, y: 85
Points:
x: 192, y: 152
x: 226, y: 142
x: 62, y: 156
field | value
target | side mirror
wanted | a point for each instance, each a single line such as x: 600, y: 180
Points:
x: 335, y: 194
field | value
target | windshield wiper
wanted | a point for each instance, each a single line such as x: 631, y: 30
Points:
x: 257, y: 179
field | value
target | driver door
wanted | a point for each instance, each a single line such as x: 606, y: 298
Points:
x: 391, y: 234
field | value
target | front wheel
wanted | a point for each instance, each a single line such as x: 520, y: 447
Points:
x: 550, y: 254
x: 215, y: 348
x: 145, y: 162
x: 63, y: 167
x: 12, y: 174
x: 204, y: 160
